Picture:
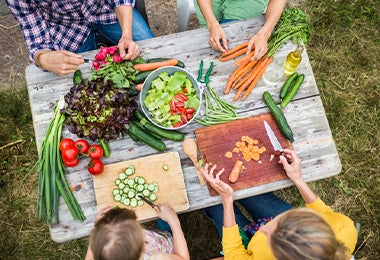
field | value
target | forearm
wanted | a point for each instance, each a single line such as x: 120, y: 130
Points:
x: 206, y: 8
x: 179, y: 241
x: 124, y: 14
x: 273, y: 14
x: 307, y: 194
x: 228, y: 212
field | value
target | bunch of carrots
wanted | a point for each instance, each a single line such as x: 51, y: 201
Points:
x: 247, y: 73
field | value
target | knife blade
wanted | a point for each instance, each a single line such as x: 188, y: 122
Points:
x: 147, y: 201
x: 272, y: 137
x: 87, y: 60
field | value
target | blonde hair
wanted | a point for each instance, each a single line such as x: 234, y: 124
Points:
x: 117, y: 236
x: 303, y: 234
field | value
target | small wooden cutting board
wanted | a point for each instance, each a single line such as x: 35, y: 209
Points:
x: 214, y: 141
x: 171, y: 184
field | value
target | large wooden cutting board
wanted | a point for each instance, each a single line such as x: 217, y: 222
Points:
x: 214, y: 141
x: 172, y: 190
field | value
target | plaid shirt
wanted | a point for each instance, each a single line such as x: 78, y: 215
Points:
x: 61, y: 25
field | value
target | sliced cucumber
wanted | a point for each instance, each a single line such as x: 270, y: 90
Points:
x: 122, y: 176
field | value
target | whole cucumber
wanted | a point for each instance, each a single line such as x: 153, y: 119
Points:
x: 145, y: 137
x: 141, y: 76
x: 278, y: 116
x: 293, y: 91
x: 168, y: 134
x: 288, y: 83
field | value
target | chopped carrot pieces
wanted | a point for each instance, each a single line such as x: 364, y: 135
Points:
x: 228, y: 154
x: 248, y: 149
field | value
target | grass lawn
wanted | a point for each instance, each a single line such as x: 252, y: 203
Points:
x: 344, y: 52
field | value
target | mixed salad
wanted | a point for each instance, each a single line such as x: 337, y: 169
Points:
x: 172, y: 100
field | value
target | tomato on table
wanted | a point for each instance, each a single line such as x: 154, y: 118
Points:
x: 95, y: 151
x: 70, y: 153
x: 95, y: 166
x: 72, y: 163
x: 82, y: 146
x: 65, y: 143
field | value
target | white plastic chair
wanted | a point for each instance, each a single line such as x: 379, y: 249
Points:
x: 185, y: 9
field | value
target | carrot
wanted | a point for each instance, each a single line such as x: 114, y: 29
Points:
x: 230, y: 51
x: 139, y: 86
x: 254, y: 77
x: 234, y: 174
x: 231, y: 80
x: 260, y: 72
x: 155, y: 65
x: 245, y: 58
x: 244, y: 80
x: 245, y: 68
x: 233, y: 55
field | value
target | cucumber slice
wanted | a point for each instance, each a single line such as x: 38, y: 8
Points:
x: 146, y: 193
x: 117, y: 197
x: 115, y: 192
x: 141, y: 180
x: 152, y: 197
x: 126, y: 201
x: 151, y: 187
x: 122, y: 176
x: 133, y: 202
x: 117, y: 181
x: 121, y: 186
x: 126, y: 189
x: 131, y: 182
x: 140, y: 202
x: 140, y: 188
x: 131, y: 194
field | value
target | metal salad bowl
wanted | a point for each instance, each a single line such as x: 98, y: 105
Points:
x: 147, y: 85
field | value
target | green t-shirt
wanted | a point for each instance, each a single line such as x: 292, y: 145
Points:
x: 233, y: 9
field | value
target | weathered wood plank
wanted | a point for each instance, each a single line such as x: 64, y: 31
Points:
x: 313, y: 139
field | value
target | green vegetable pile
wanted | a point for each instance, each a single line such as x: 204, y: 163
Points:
x: 293, y: 25
x: 98, y: 110
x: 108, y: 65
x: 51, y: 174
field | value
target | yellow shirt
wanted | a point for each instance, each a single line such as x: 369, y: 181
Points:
x: 258, y: 248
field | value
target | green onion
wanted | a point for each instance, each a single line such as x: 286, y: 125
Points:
x: 51, y: 174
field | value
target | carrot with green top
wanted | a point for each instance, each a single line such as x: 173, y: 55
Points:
x: 238, y: 47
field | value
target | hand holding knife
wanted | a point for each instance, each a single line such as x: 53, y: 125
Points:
x: 274, y: 141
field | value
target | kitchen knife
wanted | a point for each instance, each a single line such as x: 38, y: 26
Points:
x: 147, y: 201
x: 274, y: 141
x: 272, y: 137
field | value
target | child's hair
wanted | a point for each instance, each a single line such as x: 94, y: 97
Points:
x: 117, y: 236
x: 303, y: 234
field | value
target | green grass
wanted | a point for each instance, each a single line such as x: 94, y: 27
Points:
x: 345, y: 55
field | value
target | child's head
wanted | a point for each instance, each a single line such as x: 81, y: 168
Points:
x: 303, y: 234
x: 117, y: 236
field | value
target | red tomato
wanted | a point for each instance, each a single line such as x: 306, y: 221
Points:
x: 71, y: 163
x: 95, y: 151
x: 66, y: 142
x: 70, y: 153
x: 95, y: 166
x: 82, y: 146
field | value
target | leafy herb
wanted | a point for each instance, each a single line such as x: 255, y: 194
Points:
x: 98, y: 110
x: 108, y: 65
x: 293, y: 25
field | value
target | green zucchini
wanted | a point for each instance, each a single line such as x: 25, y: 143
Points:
x: 288, y: 83
x: 168, y: 134
x: 278, y: 116
x: 141, y: 76
x: 180, y: 63
x: 293, y: 91
x: 77, y: 79
x: 145, y: 137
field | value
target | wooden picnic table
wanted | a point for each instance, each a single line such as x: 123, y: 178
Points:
x: 314, y: 142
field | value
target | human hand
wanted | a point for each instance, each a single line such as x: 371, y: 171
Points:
x: 102, y: 212
x: 165, y: 212
x: 218, y: 40
x: 260, y: 44
x: 294, y: 169
x: 223, y: 189
x: 128, y: 49
x: 59, y: 62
